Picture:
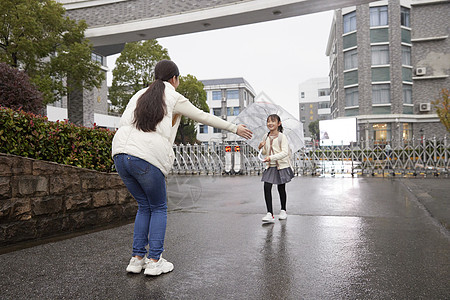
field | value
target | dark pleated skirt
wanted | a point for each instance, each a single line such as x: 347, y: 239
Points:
x: 275, y: 176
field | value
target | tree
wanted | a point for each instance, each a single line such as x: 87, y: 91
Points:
x: 314, y: 129
x: 193, y: 90
x: 17, y: 92
x: 37, y: 37
x: 134, y: 70
x: 442, y: 106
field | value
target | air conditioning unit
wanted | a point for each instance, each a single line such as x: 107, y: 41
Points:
x: 421, y: 71
x: 424, y: 107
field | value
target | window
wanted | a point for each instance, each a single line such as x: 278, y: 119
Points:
x: 406, y: 55
x: 404, y: 17
x: 380, y: 55
x: 203, y: 128
x: 378, y: 16
x: 232, y: 111
x: 350, y: 22
x: 217, y: 95
x: 232, y: 94
x: 350, y: 59
x: 407, y: 131
x: 303, y: 119
x: 217, y: 111
x: 381, y: 133
x: 407, y: 94
x: 324, y: 104
x: 302, y: 94
x: 217, y: 130
x: 323, y: 92
x: 302, y: 107
x: 351, y: 97
x: 381, y: 93
x: 97, y: 58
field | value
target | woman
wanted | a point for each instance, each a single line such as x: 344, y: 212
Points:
x: 143, y: 156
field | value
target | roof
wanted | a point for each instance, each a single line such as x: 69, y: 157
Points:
x: 228, y: 81
x: 224, y: 81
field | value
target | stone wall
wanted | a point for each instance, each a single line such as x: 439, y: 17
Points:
x: 42, y: 199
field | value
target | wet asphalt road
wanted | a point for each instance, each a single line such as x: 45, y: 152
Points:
x: 361, y: 238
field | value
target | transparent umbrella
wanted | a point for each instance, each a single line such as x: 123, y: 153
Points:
x: 255, y: 117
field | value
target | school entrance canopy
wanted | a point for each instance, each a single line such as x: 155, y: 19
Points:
x: 112, y: 23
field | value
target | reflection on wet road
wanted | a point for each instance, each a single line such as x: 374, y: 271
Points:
x: 345, y: 238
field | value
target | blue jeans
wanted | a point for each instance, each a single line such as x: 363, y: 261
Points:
x: 148, y: 186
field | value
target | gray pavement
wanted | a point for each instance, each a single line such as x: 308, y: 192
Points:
x: 345, y: 238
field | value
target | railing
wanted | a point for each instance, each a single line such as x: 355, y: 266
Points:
x: 415, y: 158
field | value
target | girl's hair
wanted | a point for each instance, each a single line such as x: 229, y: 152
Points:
x: 275, y: 117
x: 151, y: 107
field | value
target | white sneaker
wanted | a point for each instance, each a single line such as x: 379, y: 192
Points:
x: 136, y: 265
x: 282, y: 215
x: 268, y: 218
x: 156, y: 268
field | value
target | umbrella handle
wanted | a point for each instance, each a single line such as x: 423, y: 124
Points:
x: 261, y: 158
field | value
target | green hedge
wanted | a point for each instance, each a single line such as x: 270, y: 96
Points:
x: 33, y: 136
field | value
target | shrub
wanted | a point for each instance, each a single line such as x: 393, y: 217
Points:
x: 17, y: 92
x: 29, y: 135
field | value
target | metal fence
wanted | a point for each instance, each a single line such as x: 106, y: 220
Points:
x: 414, y: 158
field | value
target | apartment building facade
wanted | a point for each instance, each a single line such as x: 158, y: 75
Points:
x: 388, y: 61
x: 314, y: 102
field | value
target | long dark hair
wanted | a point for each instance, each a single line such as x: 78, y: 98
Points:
x: 275, y: 117
x: 151, y: 107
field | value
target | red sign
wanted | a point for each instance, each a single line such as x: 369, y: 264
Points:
x: 237, y: 148
x: 228, y: 149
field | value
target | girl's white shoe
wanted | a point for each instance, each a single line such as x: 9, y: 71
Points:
x: 268, y: 218
x: 282, y: 215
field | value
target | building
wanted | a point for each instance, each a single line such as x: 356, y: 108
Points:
x: 226, y: 98
x: 89, y: 107
x: 314, y: 102
x: 388, y: 61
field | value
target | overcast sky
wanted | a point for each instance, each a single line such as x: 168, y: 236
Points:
x: 274, y: 57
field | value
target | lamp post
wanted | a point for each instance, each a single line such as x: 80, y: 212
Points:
x: 224, y: 112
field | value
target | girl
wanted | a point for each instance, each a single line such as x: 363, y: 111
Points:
x: 278, y: 170
x: 143, y: 156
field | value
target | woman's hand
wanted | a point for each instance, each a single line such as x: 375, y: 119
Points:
x: 244, y: 132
